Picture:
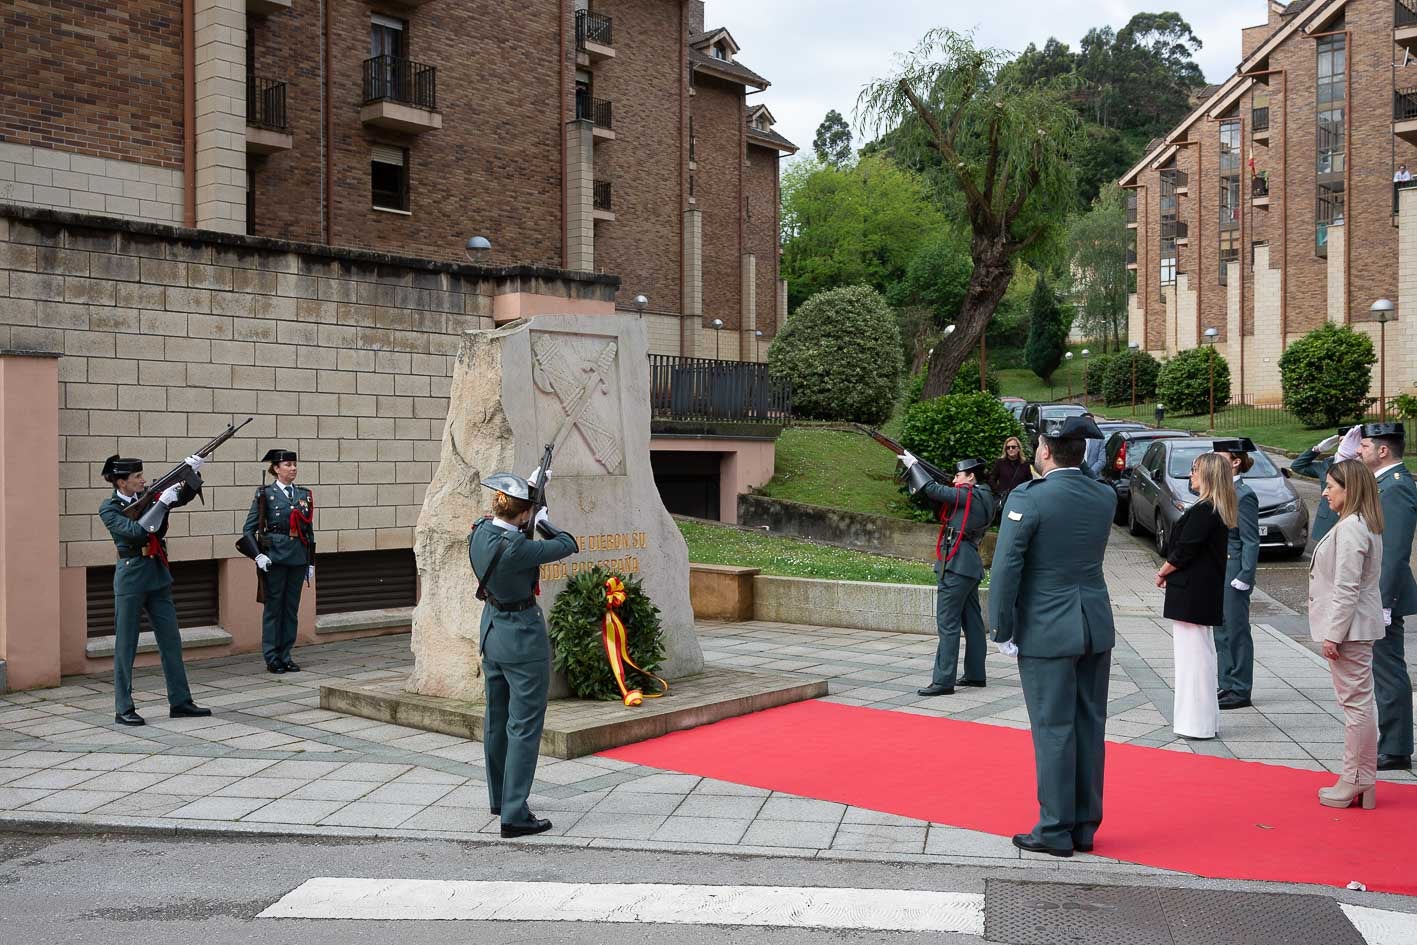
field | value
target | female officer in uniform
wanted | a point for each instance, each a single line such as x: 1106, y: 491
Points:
x: 280, y: 529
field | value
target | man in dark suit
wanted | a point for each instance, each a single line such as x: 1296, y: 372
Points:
x: 1381, y: 451
x: 1048, y: 604
x: 965, y: 509
x: 1234, y: 645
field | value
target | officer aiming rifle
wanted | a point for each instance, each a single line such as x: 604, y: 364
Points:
x: 145, y: 509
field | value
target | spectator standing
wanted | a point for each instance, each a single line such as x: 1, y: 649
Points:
x: 1010, y: 471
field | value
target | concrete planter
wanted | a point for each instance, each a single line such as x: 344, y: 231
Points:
x: 897, y: 608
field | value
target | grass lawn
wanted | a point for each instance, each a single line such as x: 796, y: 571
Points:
x: 837, y: 469
x: 717, y: 544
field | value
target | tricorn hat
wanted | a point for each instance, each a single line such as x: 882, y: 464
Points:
x: 278, y: 456
x: 509, y: 484
x: 116, y: 467
x: 1071, y: 428
x: 970, y: 464
x: 1384, y: 430
x: 1234, y: 445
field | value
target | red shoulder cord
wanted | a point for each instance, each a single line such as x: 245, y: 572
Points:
x: 945, y: 521
x: 155, y: 550
x: 299, y: 519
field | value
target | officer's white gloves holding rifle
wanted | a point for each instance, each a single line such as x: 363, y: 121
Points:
x: 169, y: 495
x: 1349, y: 445
x: 309, y: 574
x: 536, y: 476
x: 263, y: 562
x: 195, y: 462
x: 541, y: 516
x: 908, y: 459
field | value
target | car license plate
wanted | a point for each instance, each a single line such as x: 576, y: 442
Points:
x: 1264, y: 530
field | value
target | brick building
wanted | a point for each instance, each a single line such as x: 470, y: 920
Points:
x: 1272, y: 208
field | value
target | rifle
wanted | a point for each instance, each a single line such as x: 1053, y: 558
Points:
x: 934, y: 471
x: 141, y: 507
x: 538, y: 491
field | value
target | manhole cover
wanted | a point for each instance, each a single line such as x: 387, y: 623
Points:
x: 1023, y: 913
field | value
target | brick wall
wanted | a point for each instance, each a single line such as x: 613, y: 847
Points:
x: 760, y: 190
x: 345, y: 357
x: 720, y: 126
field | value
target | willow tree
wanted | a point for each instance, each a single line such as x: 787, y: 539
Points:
x: 1003, y: 145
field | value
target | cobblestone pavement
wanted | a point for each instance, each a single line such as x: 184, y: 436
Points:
x: 270, y: 760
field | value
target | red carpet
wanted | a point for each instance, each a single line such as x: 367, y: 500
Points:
x: 1209, y: 816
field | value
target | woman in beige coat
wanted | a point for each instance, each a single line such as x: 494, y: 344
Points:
x: 1346, y: 616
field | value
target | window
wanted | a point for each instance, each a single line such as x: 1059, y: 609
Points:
x: 1332, y: 66
x: 388, y: 37
x: 1330, y: 126
x: 719, y: 52
x: 1230, y: 146
x: 388, y: 173
x: 1229, y: 252
x: 1168, y: 264
x: 250, y: 197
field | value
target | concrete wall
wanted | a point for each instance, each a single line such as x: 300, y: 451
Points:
x: 745, y: 464
x: 878, y: 534
x: 897, y: 608
x: 43, y: 177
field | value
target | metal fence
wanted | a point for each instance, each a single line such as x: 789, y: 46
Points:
x: 1404, y: 104
x: 1241, y: 415
x: 602, y: 196
x: 394, y: 79
x: 592, y: 27
x: 598, y: 111
x: 704, y: 389
x: 265, y: 103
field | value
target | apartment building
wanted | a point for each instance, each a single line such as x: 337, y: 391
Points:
x: 1272, y: 208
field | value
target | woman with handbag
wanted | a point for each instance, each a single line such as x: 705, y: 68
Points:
x: 1194, y: 578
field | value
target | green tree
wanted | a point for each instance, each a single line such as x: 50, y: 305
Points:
x: 957, y: 426
x: 938, y: 275
x: 1326, y: 375
x: 1126, y: 369
x: 1047, y: 335
x: 1184, y: 382
x: 1097, y: 246
x: 1004, y: 147
x: 832, y: 145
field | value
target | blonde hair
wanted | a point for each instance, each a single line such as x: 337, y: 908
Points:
x: 1360, y: 493
x: 1218, y: 486
x: 1004, y: 450
x: 508, y: 507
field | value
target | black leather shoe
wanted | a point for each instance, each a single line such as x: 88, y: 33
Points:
x: 1394, y: 762
x: 277, y: 668
x: 936, y: 691
x: 1232, y: 701
x: 537, y: 825
x: 495, y: 811
x: 290, y: 667
x: 188, y: 710
x: 131, y: 717
x: 1082, y: 847
x: 972, y: 683
x: 1025, y: 841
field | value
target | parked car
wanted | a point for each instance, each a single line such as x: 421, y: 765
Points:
x: 1015, y: 405
x: 1096, y: 449
x: 1160, y: 492
x: 1121, y: 452
x: 1035, y: 413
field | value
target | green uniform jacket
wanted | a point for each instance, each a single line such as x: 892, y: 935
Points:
x: 1047, y: 590
x: 518, y: 637
x: 277, y: 543
x: 1242, y: 547
x: 1399, y: 498
x: 949, y: 502
x: 132, y: 575
x: 1310, y: 464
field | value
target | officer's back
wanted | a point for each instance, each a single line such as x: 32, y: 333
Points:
x: 514, y: 634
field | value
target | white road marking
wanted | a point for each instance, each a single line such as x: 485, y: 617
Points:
x: 894, y: 910
x: 1380, y: 926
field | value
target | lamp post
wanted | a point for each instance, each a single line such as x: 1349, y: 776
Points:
x: 757, y: 342
x: 1134, y: 349
x: 1211, y: 336
x: 640, y: 302
x: 717, y: 324
x: 1384, y: 311
x: 1068, y: 357
x: 477, y: 249
x: 1085, y: 355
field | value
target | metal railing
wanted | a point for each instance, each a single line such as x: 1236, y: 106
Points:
x: 703, y: 389
x: 1259, y: 186
x: 1404, y: 13
x: 1404, y: 104
x: 265, y: 103
x: 602, y: 195
x: 592, y: 28
x: 1236, y: 417
x: 394, y: 79
x: 1178, y: 178
x: 1174, y: 230
x: 1259, y: 118
x: 1398, y: 186
x: 1132, y: 207
x: 597, y: 111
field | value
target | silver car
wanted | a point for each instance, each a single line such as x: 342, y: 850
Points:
x: 1160, y: 492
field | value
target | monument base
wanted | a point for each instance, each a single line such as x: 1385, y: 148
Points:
x: 577, y: 727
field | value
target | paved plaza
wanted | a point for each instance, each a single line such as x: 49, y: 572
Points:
x: 271, y: 761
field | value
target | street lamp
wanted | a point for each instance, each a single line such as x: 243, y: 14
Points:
x: 640, y: 303
x: 1068, y: 357
x: 717, y: 324
x: 1384, y: 311
x: 1135, y: 348
x: 1085, y: 355
x: 477, y: 249
x: 757, y: 342
x: 1212, y: 335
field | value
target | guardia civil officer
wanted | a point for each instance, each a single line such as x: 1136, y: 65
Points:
x: 1234, y: 646
x: 965, y: 509
x: 516, y: 652
x: 1048, y: 605
x: 1312, y: 464
x: 142, y: 582
x: 280, y: 530
x: 1381, y: 450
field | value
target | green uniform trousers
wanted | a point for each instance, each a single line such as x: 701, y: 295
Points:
x: 1394, y: 692
x: 1067, y: 712
x: 281, y: 618
x: 1235, y: 646
x: 956, y: 607
x: 127, y: 610
x: 511, y: 732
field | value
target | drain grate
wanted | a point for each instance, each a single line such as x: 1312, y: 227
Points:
x: 1022, y: 913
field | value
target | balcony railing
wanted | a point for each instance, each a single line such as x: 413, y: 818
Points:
x: 597, y: 111
x: 1174, y: 230
x: 1259, y: 186
x: 592, y: 28
x: 1404, y: 104
x: 265, y: 103
x: 1259, y: 118
x: 1177, y: 177
x: 602, y: 198
x: 1131, y: 257
x: 1132, y: 207
x: 394, y: 79
x: 1404, y: 13
x: 703, y: 389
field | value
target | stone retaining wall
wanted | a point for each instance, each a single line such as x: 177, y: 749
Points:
x: 898, y: 608
x: 877, y: 534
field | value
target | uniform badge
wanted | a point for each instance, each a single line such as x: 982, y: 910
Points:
x: 1016, y: 516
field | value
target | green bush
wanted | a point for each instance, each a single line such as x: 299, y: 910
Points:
x: 1117, y: 383
x: 1097, y: 372
x: 957, y: 426
x: 1405, y: 406
x: 1183, y: 384
x: 841, y: 353
x: 574, y: 626
x: 1326, y: 375
x: 967, y: 379
x: 1047, y: 333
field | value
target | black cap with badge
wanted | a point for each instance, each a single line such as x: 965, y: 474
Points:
x: 1071, y: 428
x: 969, y: 465
x: 1384, y: 431
x: 115, y: 468
x: 1234, y: 446
x: 278, y: 456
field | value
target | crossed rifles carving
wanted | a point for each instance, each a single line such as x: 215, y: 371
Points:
x: 575, y: 386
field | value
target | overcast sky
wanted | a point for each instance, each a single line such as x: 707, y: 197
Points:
x: 819, y: 53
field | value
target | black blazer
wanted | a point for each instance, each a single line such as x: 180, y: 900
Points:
x: 1195, y: 593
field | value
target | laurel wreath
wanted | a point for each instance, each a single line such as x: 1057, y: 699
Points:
x: 575, y: 624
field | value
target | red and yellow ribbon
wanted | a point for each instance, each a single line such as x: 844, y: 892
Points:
x: 617, y: 648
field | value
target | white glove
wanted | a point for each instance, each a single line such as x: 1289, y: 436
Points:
x: 536, y: 476
x: 309, y: 574
x: 195, y: 462
x: 169, y: 495
x: 1008, y: 647
x: 908, y: 459
x: 1348, y: 446
x: 1239, y: 585
x: 263, y: 562
x: 1325, y: 445
x: 541, y: 516
x: 1387, y: 616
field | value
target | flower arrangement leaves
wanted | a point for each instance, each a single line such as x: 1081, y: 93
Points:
x: 575, y: 625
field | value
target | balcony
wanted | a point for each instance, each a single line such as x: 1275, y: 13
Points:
x: 1259, y: 190
x: 400, y: 95
x: 267, y: 131
x: 1398, y: 186
x: 599, y: 113
x: 1132, y: 208
x: 1404, y: 114
x: 704, y: 389
x: 266, y: 7
x: 1404, y: 23
x: 593, y: 37
x: 1131, y: 258
x: 1259, y: 124
x: 602, y: 201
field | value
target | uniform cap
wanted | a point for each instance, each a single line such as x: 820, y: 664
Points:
x: 116, y: 467
x: 275, y: 457
x: 1380, y: 430
x: 1234, y: 446
x: 970, y: 464
x: 1071, y: 428
x: 509, y: 484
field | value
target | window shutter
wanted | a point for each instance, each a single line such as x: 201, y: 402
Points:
x: 365, y: 580
x: 194, y: 594
x: 385, y: 154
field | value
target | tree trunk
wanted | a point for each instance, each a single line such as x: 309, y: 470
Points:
x: 993, y: 268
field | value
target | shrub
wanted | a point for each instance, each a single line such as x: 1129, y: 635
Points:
x: 1097, y: 372
x: 1183, y: 384
x: 1117, y: 383
x: 1405, y: 406
x: 956, y: 426
x: 841, y: 353
x: 1047, y: 333
x: 575, y: 624
x: 1326, y: 375
x: 967, y: 379
x: 914, y: 387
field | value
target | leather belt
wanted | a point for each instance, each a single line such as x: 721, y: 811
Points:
x: 513, y: 607
x: 134, y: 553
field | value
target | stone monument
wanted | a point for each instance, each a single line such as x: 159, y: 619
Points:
x: 582, y: 384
